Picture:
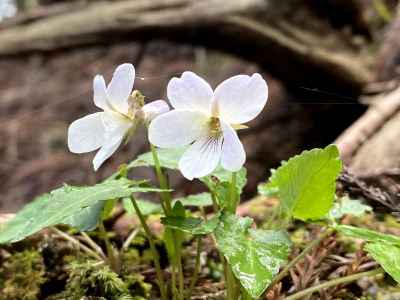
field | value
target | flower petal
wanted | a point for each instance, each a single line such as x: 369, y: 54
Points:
x: 116, y: 128
x: 178, y: 128
x: 155, y: 108
x: 100, y: 92
x: 105, y: 152
x: 115, y: 124
x: 201, y: 158
x: 190, y: 92
x: 120, y: 87
x: 86, y: 134
x: 241, y: 98
x: 233, y: 155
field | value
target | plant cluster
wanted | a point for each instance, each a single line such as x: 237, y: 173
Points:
x: 198, y: 137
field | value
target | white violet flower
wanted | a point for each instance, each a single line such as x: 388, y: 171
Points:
x: 122, y: 112
x: 207, y: 121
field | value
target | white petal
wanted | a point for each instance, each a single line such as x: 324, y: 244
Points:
x: 155, y: 108
x: 121, y: 86
x: 100, y: 92
x: 116, y: 127
x: 178, y: 128
x: 86, y: 134
x: 105, y: 152
x: 201, y: 158
x: 190, y: 92
x: 115, y: 124
x: 233, y: 155
x: 241, y: 98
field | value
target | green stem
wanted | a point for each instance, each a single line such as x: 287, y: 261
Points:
x: 299, y: 257
x: 196, y: 267
x: 180, y: 274
x: 302, y: 294
x: 112, y: 259
x: 160, y: 278
x: 231, y: 283
x: 233, y: 201
x: 162, y: 180
x: 167, y: 207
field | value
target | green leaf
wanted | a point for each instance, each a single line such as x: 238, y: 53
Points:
x: 197, y: 200
x: 347, y: 206
x: 254, y: 255
x: 195, y: 226
x: 169, y: 158
x: 87, y: 219
x: 63, y: 203
x: 368, y: 235
x: 146, y: 207
x: 220, y: 176
x: 307, y: 183
x: 388, y: 256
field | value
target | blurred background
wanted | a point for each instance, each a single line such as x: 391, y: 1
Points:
x: 328, y: 63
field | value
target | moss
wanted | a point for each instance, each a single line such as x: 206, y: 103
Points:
x: 21, y: 276
x: 92, y: 280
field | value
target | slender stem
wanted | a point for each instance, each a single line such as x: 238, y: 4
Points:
x: 231, y: 283
x: 333, y: 282
x: 214, y: 201
x: 299, y: 257
x: 112, y: 259
x: 160, y: 278
x: 166, y: 197
x: 233, y: 201
x: 167, y: 207
x: 129, y: 240
x: 77, y: 243
x: 196, y: 267
x: 93, y: 245
x: 180, y: 275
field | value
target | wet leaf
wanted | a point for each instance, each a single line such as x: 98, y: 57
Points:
x: 254, y: 255
x: 306, y: 183
x: 63, y: 203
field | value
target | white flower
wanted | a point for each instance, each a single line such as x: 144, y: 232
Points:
x: 121, y: 114
x: 207, y: 120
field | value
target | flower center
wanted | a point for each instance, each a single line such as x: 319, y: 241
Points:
x: 215, y: 127
x: 136, y: 102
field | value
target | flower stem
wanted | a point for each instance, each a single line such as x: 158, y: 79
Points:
x: 112, y: 259
x: 196, y: 267
x: 231, y: 283
x: 166, y: 196
x: 160, y: 278
x: 233, y: 201
x: 167, y: 207
x: 333, y: 282
x: 299, y: 257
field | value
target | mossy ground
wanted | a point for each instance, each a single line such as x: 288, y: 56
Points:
x: 45, y: 267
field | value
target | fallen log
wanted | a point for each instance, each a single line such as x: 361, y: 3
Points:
x: 266, y: 32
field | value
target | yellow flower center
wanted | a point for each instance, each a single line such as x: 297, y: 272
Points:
x: 215, y: 127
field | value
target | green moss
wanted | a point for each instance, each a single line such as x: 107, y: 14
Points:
x: 93, y: 280
x: 21, y: 276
